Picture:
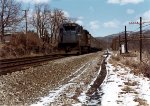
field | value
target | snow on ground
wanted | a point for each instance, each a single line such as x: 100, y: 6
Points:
x: 70, y: 90
x: 56, y: 93
x: 122, y: 88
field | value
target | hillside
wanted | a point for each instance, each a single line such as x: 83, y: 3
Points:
x: 108, y: 39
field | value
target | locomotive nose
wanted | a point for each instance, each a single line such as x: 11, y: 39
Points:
x: 69, y: 37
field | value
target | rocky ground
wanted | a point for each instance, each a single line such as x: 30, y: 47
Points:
x: 74, y: 74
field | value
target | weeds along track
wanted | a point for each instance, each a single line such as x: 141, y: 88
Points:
x: 12, y: 65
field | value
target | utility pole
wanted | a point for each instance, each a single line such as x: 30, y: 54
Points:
x: 26, y: 20
x: 140, y: 39
x: 26, y: 30
x: 126, y: 46
x: 2, y: 22
x: 141, y: 36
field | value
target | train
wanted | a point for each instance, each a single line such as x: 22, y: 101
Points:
x: 73, y: 37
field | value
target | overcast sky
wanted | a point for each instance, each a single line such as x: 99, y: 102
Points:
x: 101, y: 17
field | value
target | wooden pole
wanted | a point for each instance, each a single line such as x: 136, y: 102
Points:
x: 126, y: 46
x: 140, y: 39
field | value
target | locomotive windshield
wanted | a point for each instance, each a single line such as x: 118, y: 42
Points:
x: 70, y: 28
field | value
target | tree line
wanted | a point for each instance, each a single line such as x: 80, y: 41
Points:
x: 44, y: 21
x: 31, y: 31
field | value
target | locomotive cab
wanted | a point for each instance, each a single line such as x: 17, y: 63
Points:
x: 69, y: 36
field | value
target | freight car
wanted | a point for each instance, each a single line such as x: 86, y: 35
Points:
x: 72, y: 37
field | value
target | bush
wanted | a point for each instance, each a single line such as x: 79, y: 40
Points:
x: 21, y: 44
x: 127, y: 62
x: 145, y: 69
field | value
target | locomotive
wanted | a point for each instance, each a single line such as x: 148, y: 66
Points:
x: 72, y: 37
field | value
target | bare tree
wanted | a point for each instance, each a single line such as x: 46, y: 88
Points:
x: 56, y: 19
x: 9, y: 13
x: 47, y: 22
x: 40, y: 20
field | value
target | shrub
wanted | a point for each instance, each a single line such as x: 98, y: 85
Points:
x: 21, y: 44
x: 127, y: 62
x: 145, y: 69
x: 134, y: 65
x: 141, y: 101
x: 127, y: 89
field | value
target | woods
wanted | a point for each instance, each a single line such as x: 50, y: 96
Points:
x: 10, y: 12
x: 38, y: 26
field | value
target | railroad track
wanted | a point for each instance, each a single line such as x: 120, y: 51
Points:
x: 11, y: 65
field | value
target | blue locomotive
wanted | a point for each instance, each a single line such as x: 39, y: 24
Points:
x: 72, y: 37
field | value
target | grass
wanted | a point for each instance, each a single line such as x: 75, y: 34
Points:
x: 117, y: 58
x: 127, y: 89
x: 129, y: 55
x: 127, y: 62
x: 131, y: 61
x: 141, y: 102
x: 131, y: 83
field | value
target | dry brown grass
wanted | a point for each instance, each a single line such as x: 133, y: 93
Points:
x: 129, y: 55
x: 116, y: 58
x: 141, y: 102
x: 127, y: 62
x: 139, y: 68
x: 133, y: 63
x: 127, y: 89
x: 131, y: 83
x: 145, y: 69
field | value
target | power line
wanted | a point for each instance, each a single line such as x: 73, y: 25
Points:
x: 141, y: 36
x: 146, y: 25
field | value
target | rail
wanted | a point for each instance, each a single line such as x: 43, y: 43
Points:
x: 11, y: 65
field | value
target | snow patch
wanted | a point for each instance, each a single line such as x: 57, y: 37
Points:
x: 44, y: 101
x: 114, y: 85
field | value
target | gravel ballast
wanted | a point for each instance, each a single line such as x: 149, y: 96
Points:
x: 27, y: 86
